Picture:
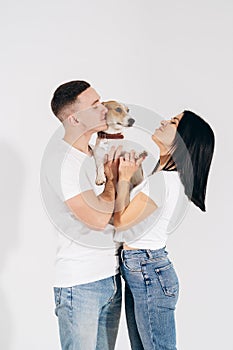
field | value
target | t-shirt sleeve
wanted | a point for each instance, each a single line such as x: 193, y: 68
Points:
x: 154, y: 188
x: 74, y: 179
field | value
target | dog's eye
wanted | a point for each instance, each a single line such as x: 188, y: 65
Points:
x: 118, y: 109
x: 127, y: 110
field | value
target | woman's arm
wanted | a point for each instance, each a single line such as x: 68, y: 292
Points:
x: 126, y: 213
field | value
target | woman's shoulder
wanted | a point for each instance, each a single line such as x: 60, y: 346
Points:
x: 165, y: 175
x: 167, y: 181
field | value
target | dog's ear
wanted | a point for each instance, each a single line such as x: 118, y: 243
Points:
x: 110, y: 104
x: 106, y: 104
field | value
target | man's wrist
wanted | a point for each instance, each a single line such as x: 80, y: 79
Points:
x: 110, y: 179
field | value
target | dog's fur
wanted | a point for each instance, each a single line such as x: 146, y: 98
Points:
x: 117, y: 118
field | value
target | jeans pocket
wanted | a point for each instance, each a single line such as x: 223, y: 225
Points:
x: 57, y: 297
x: 132, y: 264
x: 168, y: 280
x: 116, y: 292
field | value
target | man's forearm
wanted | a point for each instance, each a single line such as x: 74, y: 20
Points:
x: 109, y: 191
x: 107, y: 198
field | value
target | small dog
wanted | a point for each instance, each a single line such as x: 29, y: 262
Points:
x: 117, y: 118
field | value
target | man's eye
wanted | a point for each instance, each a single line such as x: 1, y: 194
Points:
x: 118, y: 109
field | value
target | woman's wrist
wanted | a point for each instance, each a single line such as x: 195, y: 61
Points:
x: 123, y: 178
x: 122, y: 189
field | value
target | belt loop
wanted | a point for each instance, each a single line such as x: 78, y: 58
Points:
x: 114, y: 282
x: 148, y: 251
x: 122, y: 252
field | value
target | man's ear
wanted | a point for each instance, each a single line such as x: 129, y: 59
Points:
x: 72, y: 120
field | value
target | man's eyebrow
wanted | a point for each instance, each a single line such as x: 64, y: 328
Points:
x: 95, y: 101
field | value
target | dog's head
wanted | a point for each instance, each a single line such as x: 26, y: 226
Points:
x: 117, y: 117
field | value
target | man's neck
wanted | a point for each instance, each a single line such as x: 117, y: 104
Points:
x: 80, y: 142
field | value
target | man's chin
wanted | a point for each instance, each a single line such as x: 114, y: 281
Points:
x: 103, y: 127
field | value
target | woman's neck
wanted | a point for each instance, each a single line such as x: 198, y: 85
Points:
x: 164, y: 159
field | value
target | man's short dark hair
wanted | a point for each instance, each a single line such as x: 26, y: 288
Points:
x: 66, y: 94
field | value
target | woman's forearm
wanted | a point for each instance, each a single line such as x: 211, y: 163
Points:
x: 122, y: 200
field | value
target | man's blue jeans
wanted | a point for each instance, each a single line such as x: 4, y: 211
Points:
x: 151, y: 292
x: 89, y: 314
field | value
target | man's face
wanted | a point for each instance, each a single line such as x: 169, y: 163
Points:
x: 89, y: 112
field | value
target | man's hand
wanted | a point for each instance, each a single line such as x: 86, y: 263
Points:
x: 111, y: 163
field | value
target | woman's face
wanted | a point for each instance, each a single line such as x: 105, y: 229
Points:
x: 165, y: 134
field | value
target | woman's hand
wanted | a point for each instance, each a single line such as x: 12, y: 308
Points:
x: 129, y: 164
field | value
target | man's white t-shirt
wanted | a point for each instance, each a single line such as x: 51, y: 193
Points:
x: 167, y: 192
x: 83, y: 255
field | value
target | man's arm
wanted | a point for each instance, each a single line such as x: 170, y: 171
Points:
x: 95, y: 211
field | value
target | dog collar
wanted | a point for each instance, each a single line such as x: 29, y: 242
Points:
x: 104, y: 135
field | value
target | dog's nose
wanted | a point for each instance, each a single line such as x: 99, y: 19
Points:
x: 131, y: 121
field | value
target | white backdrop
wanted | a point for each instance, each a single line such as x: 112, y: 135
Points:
x: 164, y: 55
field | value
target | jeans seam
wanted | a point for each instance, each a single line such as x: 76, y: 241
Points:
x: 70, y: 295
x: 149, y: 314
x: 114, y: 290
x: 59, y: 296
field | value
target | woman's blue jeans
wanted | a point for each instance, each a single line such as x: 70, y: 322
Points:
x: 88, y: 314
x: 151, y: 293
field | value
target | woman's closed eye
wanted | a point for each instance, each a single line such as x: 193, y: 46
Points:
x: 174, y: 120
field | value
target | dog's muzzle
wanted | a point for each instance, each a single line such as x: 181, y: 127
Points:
x: 131, y: 121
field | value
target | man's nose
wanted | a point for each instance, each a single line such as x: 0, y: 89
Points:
x: 104, y: 108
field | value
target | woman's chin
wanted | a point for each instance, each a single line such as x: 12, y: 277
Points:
x: 154, y: 138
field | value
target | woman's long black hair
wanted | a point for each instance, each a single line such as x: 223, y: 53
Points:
x: 191, y: 155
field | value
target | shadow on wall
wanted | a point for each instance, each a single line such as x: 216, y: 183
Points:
x: 11, y: 186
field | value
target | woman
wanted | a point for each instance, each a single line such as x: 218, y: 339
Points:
x: 186, y: 144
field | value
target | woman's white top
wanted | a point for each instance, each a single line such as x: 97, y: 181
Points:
x: 167, y: 192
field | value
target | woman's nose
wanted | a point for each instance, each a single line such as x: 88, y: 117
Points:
x: 164, y: 122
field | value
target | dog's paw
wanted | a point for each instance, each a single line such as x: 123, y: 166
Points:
x: 143, y: 154
x: 100, y: 181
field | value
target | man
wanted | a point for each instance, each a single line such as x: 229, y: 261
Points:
x: 87, y: 284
